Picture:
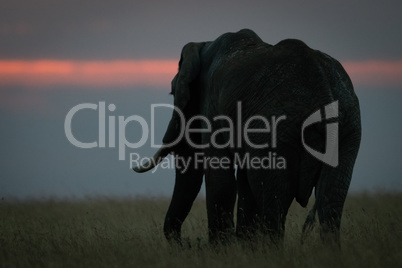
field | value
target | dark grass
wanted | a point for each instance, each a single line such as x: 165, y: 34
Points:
x: 128, y: 232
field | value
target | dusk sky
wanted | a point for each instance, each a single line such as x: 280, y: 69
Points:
x: 55, y: 55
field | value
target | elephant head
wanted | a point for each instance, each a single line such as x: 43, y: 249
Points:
x: 186, y: 102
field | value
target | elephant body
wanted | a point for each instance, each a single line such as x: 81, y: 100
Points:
x: 283, y: 84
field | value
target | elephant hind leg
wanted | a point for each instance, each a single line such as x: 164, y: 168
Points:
x: 332, y: 188
x: 246, y: 208
x: 309, y: 223
x: 273, y: 197
x: 273, y: 190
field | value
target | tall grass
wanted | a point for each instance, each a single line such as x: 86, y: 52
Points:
x: 128, y: 232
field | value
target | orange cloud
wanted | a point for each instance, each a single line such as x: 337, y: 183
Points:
x: 374, y: 72
x: 20, y: 28
x: 153, y: 73
x: 157, y: 73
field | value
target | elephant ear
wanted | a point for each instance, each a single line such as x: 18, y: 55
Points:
x: 189, y: 69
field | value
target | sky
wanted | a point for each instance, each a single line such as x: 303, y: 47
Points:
x: 55, y: 55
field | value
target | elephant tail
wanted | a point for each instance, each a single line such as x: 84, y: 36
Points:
x: 309, y: 223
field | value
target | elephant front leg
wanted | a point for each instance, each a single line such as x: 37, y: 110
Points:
x: 221, y: 198
x: 187, y: 186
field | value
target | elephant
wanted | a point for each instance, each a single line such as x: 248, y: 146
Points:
x: 276, y: 88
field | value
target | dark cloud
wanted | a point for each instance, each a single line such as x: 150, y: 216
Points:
x: 351, y: 30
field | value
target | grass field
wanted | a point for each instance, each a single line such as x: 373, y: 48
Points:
x: 128, y: 232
